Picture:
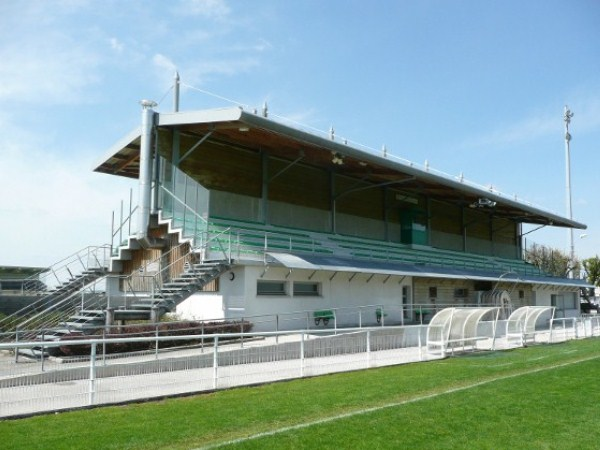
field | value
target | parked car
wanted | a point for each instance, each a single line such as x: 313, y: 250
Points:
x: 587, y: 306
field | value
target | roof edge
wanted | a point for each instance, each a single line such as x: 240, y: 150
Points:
x: 116, y: 147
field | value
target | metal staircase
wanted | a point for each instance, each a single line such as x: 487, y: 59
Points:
x: 143, y: 294
x: 163, y: 292
x: 150, y: 306
x: 175, y: 291
x: 54, y: 291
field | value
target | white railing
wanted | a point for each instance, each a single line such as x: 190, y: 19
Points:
x: 225, y: 360
x: 207, y: 362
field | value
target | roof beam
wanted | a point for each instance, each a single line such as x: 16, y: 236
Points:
x: 196, y: 145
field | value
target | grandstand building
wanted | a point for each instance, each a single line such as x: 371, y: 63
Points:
x: 240, y: 215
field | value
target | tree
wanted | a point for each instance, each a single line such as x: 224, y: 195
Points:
x: 592, y: 269
x: 552, y: 261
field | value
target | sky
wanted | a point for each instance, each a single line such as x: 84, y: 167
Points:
x: 472, y: 87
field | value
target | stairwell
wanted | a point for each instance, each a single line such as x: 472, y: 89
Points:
x: 169, y: 286
x: 149, y: 276
x: 54, y: 290
x: 175, y: 291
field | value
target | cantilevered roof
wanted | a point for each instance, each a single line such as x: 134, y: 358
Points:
x: 353, y: 265
x: 21, y: 272
x: 237, y: 128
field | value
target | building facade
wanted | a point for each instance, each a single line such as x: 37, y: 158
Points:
x: 301, y: 228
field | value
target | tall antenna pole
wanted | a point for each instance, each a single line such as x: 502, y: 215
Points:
x: 567, y: 118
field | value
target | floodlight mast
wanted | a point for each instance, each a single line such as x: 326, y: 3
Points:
x: 567, y: 118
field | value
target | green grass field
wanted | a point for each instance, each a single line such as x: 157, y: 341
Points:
x: 542, y: 397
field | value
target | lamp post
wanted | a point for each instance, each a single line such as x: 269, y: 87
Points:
x: 567, y: 118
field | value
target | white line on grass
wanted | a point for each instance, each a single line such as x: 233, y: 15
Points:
x: 300, y: 426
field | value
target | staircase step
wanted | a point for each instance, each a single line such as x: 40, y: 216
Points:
x: 95, y: 271
x: 202, y: 270
x: 177, y: 284
x: 85, y: 319
x: 144, y: 303
x: 171, y: 289
x: 186, y: 280
x: 56, y: 334
x: 206, y: 266
x: 81, y: 325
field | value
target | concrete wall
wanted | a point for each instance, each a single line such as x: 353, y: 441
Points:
x: 237, y: 297
x: 342, y: 290
x: 567, y: 304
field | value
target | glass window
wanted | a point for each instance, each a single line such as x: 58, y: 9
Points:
x: 461, y: 293
x: 306, y: 289
x: 270, y: 287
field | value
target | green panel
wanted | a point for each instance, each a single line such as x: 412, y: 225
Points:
x: 413, y: 228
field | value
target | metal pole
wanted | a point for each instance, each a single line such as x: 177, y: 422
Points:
x: 130, y: 212
x: 215, y: 362
x: 368, y: 348
x: 16, y: 342
x: 112, y: 232
x: 176, y: 93
x: 494, y: 327
x: 104, y: 346
x: 420, y: 346
x: 43, y: 350
x: 145, y: 170
x: 92, y: 374
x: 302, y: 355
x: 567, y: 118
x: 334, y: 322
x: 156, y: 344
x: 242, y: 333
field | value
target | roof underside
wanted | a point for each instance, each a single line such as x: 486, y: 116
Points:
x: 235, y: 128
x: 353, y: 265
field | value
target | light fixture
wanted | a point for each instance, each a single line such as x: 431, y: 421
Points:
x: 337, y: 158
x: 483, y: 203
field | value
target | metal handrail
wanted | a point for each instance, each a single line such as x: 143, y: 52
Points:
x: 365, y: 313
x: 62, y: 302
x: 63, y: 272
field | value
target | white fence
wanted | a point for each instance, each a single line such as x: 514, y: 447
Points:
x: 211, y: 362
x: 225, y: 360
